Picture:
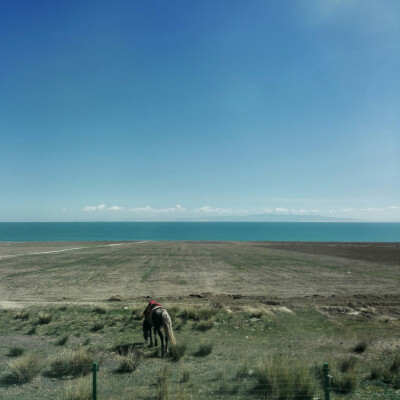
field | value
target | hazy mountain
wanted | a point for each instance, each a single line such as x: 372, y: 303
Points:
x: 274, y: 218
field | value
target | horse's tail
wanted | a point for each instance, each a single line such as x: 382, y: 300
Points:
x: 168, y: 327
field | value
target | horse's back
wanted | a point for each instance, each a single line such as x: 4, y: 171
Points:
x: 156, y: 317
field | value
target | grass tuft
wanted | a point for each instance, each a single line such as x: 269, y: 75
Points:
x: 387, y: 370
x: 44, y: 318
x: 343, y: 383
x: 185, y: 375
x: 279, y: 379
x: 137, y: 314
x: 71, y: 363
x: 204, y: 350
x: 23, y: 314
x: 100, y: 310
x: 204, y: 325
x: 129, y: 362
x: 176, y: 351
x: 347, y: 364
x: 255, y: 312
x: 15, y: 352
x: 360, y: 347
x: 23, y: 369
x: 80, y: 389
x: 196, y: 314
x: 62, y: 341
x: 343, y: 376
x: 32, y: 330
x: 98, y: 326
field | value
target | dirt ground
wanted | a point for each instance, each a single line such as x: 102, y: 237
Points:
x: 335, y: 278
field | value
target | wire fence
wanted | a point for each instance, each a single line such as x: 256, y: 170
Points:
x: 171, y: 381
x: 174, y: 382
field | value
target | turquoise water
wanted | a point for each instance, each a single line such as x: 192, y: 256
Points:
x: 238, y: 231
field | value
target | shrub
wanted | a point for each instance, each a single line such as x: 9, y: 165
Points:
x: 204, y: 350
x: 177, y: 351
x: 278, y: 378
x: 128, y: 362
x: 360, y: 347
x: 15, y: 352
x: 204, y: 325
x: 44, y: 318
x: 71, y: 363
x: 80, y: 389
x: 23, y: 369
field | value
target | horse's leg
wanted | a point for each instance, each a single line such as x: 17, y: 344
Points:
x: 155, y: 336
x: 151, y: 338
x: 166, y: 344
x: 162, y: 341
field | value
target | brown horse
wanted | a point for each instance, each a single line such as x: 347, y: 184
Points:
x: 156, y: 319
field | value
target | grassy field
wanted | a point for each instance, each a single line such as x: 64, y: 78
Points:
x: 240, y: 312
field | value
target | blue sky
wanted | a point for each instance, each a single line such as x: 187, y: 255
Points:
x: 135, y: 110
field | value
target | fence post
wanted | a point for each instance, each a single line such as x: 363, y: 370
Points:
x: 326, y: 381
x: 95, y: 369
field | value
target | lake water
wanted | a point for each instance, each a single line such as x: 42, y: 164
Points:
x: 238, y: 231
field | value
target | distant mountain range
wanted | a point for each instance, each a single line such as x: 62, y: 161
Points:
x: 273, y: 218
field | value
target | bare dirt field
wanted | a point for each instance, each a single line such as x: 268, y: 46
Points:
x: 341, y: 274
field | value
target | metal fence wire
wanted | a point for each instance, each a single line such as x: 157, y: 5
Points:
x: 172, y: 381
x: 58, y: 381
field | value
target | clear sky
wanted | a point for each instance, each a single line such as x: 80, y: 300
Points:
x: 126, y: 110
